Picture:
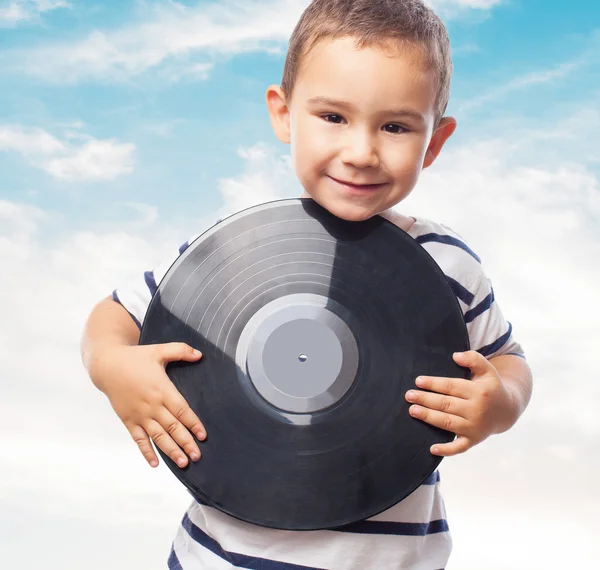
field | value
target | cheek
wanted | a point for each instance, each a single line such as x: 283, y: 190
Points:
x: 309, y: 150
x: 407, y: 163
x: 301, y: 163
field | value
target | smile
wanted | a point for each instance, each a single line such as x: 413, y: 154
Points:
x: 357, y: 187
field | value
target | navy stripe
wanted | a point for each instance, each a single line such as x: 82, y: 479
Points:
x: 173, y: 562
x: 150, y: 281
x: 481, y: 308
x: 515, y: 354
x: 396, y: 528
x: 448, y: 240
x: 183, y: 247
x: 461, y: 292
x: 117, y: 300
x: 497, y: 344
x: 239, y: 560
x: 432, y: 479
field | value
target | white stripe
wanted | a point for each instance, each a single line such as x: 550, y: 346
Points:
x: 135, y: 297
x: 424, y: 505
x: 193, y: 556
x: 336, y: 550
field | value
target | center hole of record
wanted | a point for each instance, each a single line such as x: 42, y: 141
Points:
x: 292, y: 372
x: 298, y: 353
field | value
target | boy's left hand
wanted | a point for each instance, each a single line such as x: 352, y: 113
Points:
x: 472, y: 409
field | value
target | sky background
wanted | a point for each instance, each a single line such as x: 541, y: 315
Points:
x: 127, y: 126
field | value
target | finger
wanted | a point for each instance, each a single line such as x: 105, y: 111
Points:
x: 440, y: 402
x: 165, y: 443
x: 456, y: 387
x: 179, y: 433
x: 459, y: 445
x: 477, y: 363
x: 143, y: 442
x: 448, y: 422
x: 177, y: 405
x: 174, y: 351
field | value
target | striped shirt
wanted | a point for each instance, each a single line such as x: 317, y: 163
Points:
x: 412, y: 534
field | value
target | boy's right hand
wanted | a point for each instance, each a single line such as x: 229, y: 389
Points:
x: 143, y: 396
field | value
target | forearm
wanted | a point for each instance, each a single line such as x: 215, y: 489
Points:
x: 109, y: 325
x: 516, y: 377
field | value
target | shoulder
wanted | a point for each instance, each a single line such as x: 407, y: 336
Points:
x: 444, y: 241
x: 457, y: 259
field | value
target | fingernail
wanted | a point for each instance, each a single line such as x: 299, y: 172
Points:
x: 194, y: 456
x: 416, y: 410
x: 181, y: 462
x: 419, y: 381
x: 200, y: 435
x: 153, y: 463
x: 459, y: 354
x: 435, y: 450
x: 410, y: 395
x: 197, y: 352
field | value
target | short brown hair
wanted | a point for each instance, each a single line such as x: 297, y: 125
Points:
x: 372, y: 23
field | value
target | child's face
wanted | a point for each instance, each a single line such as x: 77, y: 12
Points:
x: 360, y: 124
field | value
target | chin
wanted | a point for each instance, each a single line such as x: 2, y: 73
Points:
x: 351, y: 212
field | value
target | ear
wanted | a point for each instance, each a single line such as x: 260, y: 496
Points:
x: 279, y: 113
x: 441, y: 134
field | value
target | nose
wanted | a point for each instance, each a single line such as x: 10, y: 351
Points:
x: 359, y: 150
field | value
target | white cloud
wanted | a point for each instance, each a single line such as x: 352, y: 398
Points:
x: 73, y: 125
x: 174, y: 34
x: 165, y: 129
x: 453, y: 9
x: 472, y: 4
x: 148, y: 214
x: 171, y: 34
x: 67, y: 464
x: 34, y: 141
x: 522, y: 82
x: 465, y: 49
x: 266, y: 177
x: 193, y: 72
x: 92, y: 159
x: 14, y: 12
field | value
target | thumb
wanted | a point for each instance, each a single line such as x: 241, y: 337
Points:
x: 477, y: 363
x: 173, y: 351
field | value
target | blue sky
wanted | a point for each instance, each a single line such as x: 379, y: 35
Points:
x: 125, y: 127
x: 185, y: 130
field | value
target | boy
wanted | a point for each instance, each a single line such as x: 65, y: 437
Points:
x: 362, y: 103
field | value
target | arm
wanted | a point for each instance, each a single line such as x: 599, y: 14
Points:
x: 516, y: 377
x: 109, y: 325
x: 133, y: 378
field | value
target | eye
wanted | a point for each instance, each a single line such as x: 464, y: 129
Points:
x: 394, y: 128
x: 332, y: 118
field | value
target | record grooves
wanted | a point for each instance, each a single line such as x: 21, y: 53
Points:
x: 312, y: 330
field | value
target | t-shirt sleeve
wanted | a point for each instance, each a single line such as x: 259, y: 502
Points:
x: 490, y: 333
x: 136, y: 295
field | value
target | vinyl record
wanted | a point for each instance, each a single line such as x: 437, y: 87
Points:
x: 312, y: 329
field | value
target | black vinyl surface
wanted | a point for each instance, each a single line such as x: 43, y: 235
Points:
x: 362, y: 454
